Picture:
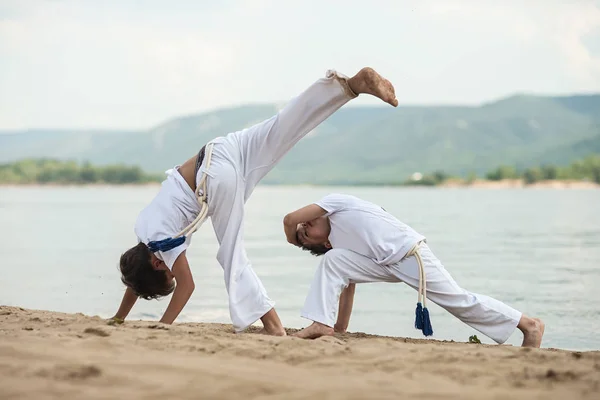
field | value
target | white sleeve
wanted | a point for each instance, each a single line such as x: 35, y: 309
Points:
x: 169, y: 257
x: 333, y: 202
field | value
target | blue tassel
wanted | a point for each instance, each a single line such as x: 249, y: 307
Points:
x: 419, y: 316
x: 165, y: 244
x: 427, y: 329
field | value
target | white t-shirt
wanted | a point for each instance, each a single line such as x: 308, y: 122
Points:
x: 367, y: 229
x: 172, y: 209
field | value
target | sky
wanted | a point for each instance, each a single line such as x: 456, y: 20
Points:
x: 125, y: 64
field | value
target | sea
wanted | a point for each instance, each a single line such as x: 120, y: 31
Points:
x: 537, y: 250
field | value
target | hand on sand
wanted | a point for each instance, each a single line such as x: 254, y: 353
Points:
x: 115, y: 321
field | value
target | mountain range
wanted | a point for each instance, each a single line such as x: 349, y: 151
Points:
x: 356, y: 145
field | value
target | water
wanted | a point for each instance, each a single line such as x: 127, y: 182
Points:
x: 537, y: 250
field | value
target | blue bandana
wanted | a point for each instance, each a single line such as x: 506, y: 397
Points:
x: 165, y: 244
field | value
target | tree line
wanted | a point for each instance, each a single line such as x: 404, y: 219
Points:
x: 40, y: 171
x: 587, y: 169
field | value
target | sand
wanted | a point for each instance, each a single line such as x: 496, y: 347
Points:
x: 50, y: 355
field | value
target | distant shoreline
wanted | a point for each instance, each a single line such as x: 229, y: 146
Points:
x: 520, y: 183
x: 584, y: 173
x: 478, y: 184
x: 76, y: 185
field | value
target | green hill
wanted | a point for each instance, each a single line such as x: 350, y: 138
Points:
x: 357, y: 144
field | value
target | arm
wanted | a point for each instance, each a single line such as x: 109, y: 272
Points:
x: 304, y: 214
x: 129, y: 299
x: 346, y: 301
x: 184, y: 289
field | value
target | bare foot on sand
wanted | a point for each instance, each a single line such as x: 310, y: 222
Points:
x: 368, y: 81
x: 533, y: 331
x: 276, y: 332
x: 314, y: 331
x: 263, y: 331
x: 272, y: 324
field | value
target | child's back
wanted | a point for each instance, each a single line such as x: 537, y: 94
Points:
x: 367, y: 229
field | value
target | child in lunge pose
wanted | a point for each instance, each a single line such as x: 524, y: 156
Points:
x: 217, y: 183
x: 360, y: 242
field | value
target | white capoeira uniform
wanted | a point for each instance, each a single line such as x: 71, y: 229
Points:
x: 239, y: 161
x: 370, y: 245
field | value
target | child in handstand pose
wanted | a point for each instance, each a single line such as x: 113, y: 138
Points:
x: 360, y: 242
x: 217, y: 183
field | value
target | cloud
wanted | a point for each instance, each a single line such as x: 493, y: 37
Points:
x: 119, y: 63
x: 125, y: 60
x: 569, y: 30
x: 560, y: 24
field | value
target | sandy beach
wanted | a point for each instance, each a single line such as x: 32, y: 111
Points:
x: 47, y: 355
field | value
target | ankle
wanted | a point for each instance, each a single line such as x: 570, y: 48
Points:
x: 272, y: 323
x: 354, y: 85
x: 277, y: 331
x: 358, y: 83
x: 324, y: 328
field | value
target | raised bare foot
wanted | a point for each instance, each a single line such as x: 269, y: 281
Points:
x: 314, y: 331
x: 368, y: 81
x: 533, y: 331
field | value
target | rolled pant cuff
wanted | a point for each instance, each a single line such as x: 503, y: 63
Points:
x: 507, y: 335
x: 242, y: 325
x: 343, y: 80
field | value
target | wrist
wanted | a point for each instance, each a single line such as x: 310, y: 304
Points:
x: 168, y: 318
x: 116, y: 320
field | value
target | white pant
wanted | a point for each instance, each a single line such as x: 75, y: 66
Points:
x: 239, y: 161
x: 339, y: 267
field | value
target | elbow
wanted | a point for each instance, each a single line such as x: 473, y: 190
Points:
x: 187, y: 287
x: 287, y: 220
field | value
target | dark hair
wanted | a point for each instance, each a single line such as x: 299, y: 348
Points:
x: 314, y: 249
x: 138, y: 274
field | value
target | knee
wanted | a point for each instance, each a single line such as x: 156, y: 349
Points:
x: 335, y: 255
x: 334, y: 260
